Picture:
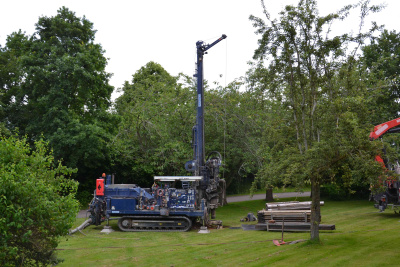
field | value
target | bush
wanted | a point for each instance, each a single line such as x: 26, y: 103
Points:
x: 335, y: 191
x: 37, y: 203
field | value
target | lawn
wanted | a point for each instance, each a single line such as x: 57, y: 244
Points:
x: 363, y: 237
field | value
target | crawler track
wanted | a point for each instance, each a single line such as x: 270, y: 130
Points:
x: 154, y: 224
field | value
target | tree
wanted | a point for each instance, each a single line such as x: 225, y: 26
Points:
x: 317, y: 87
x: 382, y: 60
x: 157, y: 115
x: 37, y: 203
x: 234, y: 127
x: 55, y: 84
x: 10, y: 74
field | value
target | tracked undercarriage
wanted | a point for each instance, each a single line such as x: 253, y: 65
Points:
x: 154, y: 224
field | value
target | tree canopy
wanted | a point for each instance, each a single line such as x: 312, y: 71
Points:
x: 154, y: 135
x: 54, y: 84
x: 383, y: 65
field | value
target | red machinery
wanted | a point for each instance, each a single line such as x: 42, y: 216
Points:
x: 390, y: 195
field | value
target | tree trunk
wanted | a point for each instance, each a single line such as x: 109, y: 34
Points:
x: 222, y: 193
x: 269, y: 195
x: 315, y: 208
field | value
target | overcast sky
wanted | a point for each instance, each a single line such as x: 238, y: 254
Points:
x: 165, y: 31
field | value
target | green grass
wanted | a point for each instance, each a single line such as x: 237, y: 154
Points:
x: 363, y: 237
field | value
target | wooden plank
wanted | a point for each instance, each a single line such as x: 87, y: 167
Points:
x: 292, y: 226
x: 284, y: 211
x: 290, y: 205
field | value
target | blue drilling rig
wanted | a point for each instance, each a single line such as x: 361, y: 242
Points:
x: 164, y: 207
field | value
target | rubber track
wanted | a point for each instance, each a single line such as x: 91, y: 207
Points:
x: 161, y: 218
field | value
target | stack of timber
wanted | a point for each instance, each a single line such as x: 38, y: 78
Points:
x: 287, y: 216
x: 284, y: 215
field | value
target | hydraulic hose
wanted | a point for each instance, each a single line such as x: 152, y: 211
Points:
x: 81, y: 227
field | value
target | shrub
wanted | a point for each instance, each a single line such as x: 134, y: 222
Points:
x: 37, y: 203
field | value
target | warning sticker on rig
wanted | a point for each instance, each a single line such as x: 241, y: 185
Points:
x: 199, y: 100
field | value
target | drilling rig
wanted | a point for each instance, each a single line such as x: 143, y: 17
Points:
x: 164, y: 207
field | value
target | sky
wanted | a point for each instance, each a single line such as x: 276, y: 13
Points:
x: 134, y: 32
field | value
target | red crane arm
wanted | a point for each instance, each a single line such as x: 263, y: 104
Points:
x: 383, y: 128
